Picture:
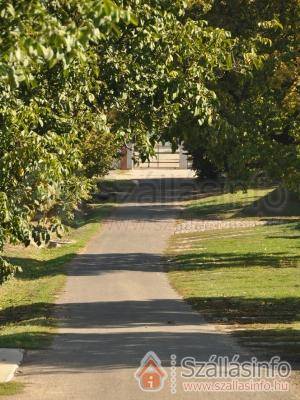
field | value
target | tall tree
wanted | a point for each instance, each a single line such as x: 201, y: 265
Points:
x: 161, y: 70
x: 258, y: 125
x: 48, y: 84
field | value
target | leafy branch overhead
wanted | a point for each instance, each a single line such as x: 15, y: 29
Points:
x: 79, y: 79
x: 48, y: 83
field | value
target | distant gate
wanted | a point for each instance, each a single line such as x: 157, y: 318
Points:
x: 165, y: 159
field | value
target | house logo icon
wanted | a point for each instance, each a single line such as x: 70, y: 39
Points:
x: 150, y: 375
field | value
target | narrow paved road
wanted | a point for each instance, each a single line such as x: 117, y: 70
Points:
x: 118, y: 305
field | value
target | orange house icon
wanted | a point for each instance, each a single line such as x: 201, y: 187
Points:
x: 150, y: 375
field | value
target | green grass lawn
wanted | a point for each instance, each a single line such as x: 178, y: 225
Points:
x: 255, y: 203
x: 10, y: 388
x: 26, y: 302
x: 247, y: 279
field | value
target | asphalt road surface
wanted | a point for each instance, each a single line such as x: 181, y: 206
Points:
x: 118, y: 305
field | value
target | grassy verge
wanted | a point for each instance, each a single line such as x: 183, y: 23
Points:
x: 10, y: 388
x: 247, y: 279
x: 26, y: 302
x: 257, y: 203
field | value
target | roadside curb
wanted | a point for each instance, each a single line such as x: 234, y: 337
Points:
x: 10, y: 360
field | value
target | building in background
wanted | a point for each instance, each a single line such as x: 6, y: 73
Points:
x: 164, y: 158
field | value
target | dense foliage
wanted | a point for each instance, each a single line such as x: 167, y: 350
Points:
x: 220, y: 76
x: 78, y: 80
x: 48, y: 83
x: 257, y: 126
x: 160, y: 72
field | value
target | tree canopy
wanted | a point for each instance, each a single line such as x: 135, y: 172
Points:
x: 257, y: 129
x: 48, y: 83
x: 78, y: 80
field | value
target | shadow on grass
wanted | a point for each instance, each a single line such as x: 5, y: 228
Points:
x: 35, y: 269
x: 210, y: 261
x: 284, y: 342
x: 35, y: 314
x: 87, y: 344
x: 228, y: 309
x: 34, y: 340
x: 277, y: 203
x: 241, y: 310
x: 283, y: 237
x: 214, y: 211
